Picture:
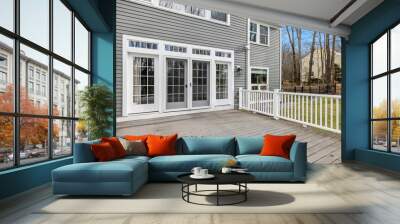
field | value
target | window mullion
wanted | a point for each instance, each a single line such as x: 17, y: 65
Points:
x: 389, y: 101
x: 16, y: 84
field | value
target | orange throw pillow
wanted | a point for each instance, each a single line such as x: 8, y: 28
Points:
x: 142, y: 138
x: 277, y: 145
x: 161, y: 145
x: 116, y: 145
x: 103, y: 152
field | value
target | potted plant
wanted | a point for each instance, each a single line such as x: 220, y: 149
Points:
x: 96, y: 103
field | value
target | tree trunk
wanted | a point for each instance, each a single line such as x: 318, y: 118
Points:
x: 333, y: 71
x: 299, y: 32
x: 311, y: 62
x: 322, y: 57
x: 291, y: 41
x: 327, y: 59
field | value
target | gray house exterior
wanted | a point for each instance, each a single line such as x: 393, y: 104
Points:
x: 210, y: 61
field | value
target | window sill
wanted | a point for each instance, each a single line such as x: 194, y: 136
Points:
x: 260, y: 44
x: 30, y: 166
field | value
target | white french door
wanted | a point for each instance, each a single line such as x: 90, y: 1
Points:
x: 200, y: 86
x: 177, y: 83
x: 223, y: 85
x: 142, y: 83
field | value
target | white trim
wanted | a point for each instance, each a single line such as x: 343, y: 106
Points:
x: 155, y: 4
x: 161, y: 55
x: 248, y: 55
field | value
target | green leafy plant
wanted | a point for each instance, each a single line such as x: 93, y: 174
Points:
x: 96, y: 103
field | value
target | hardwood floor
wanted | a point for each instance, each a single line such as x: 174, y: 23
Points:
x: 377, y: 190
x: 323, y: 146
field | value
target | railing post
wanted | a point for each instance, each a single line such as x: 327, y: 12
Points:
x: 240, y: 98
x: 277, y: 103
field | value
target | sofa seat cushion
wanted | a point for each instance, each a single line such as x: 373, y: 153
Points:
x: 257, y: 163
x: 113, y: 171
x: 185, y: 163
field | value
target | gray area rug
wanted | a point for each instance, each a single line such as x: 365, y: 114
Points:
x: 166, y: 198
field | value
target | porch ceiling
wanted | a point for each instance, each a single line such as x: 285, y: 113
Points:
x: 332, y: 16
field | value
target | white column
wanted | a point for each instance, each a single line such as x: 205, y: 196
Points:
x: 276, y: 105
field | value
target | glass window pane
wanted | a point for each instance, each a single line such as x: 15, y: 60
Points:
x: 395, y: 136
x: 81, y: 45
x: 62, y: 138
x: 34, y: 72
x: 81, y: 131
x: 379, y: 135
x: 33, y: 140
x: 81, y: 82
x: 395, y: 95
x: 62, y: 29
x: 35, y: 21
x: 221, y: 16
x: 395, y: 47
x: 7, y: 14
x: 379, y: 98
x: 62, y: 89
x: 6, y: 142
x: 379, y: 56
x: 6, y: 74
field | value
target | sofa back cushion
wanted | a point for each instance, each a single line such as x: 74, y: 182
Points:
x: 83, y: 152
x: 206, y: 145
x: 249, y: 145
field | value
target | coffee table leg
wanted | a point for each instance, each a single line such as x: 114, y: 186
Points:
x: 196, y: 188
x: 245, y: 193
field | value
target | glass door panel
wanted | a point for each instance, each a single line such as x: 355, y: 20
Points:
x: 221, y: 81
x: 201, y: 83
x: 176, y: 83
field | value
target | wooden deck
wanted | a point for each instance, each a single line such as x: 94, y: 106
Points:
x: 323, y: 146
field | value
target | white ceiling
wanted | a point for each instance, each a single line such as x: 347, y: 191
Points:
x: 309, y: 14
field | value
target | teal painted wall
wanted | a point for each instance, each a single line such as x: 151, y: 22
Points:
x: 103, y: 63
x: 355, y: 135
x: 99, y: 15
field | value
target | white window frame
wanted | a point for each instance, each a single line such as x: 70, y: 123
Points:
x: 259, y: 33
x: 207, y: 17
x: 258, y: 68
x: 160, y: 77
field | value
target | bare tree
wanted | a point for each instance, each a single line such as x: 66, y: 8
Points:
x: 311, y: 61
x: 322, y: 55
x: 332, y: 66
x: 292, y: 45
x: 299, y: 47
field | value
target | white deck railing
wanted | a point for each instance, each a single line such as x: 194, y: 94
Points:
x: 316, y: 110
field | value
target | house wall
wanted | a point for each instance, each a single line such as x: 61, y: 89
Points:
x: 149, y: 22
x: 268, y: 56
x: 355, y: 93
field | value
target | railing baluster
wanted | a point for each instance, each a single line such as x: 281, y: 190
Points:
x: 307, y: 109
x: 320, y: 111
x: 337, y: 113
x: 326, y: 112
x: 331, y: 113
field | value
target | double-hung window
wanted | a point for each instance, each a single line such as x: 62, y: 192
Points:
x: 259, y: 33
x: 385, y: 92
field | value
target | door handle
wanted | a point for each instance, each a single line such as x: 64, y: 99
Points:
x: 185, y: 85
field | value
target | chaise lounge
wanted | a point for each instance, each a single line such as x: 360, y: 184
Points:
x: 125, y: 176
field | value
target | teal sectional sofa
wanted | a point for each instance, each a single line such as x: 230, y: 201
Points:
x: 125, y: 176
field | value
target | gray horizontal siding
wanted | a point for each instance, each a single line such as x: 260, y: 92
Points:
x: 268, y: 56
x: 149, y: 22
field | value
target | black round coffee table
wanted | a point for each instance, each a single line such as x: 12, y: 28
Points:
x: 238, y: 179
